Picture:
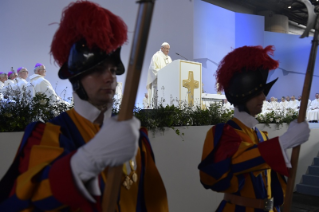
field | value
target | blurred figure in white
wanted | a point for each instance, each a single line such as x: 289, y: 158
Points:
x: 11, y: 80
x: 3, y: 78
x: 313, y: 112
x: 265, y: 107
x: 293, y: 103
x: 283, y: 104
x: 21, y: 79
x: 288, y: 98
x: 145, y: 102
x: 159, y: 60
x: 41, y: 85
x: 274, y: 103
x: 308, y: 105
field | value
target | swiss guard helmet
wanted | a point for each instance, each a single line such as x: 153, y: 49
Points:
x: 88, y: 35
x: 243, y: 73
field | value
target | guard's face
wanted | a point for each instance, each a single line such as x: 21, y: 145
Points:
x: 255, y: 104
x: 165, y: 49
x: 317, y: 96
x: 100, y: 84
x: 293, y: 98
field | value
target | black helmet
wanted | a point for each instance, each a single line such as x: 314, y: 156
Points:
x: 247, y: 84
x: 83, y: 59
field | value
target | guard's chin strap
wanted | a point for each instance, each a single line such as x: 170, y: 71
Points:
x: 79, y: 89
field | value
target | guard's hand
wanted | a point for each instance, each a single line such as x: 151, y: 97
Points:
x: 296, y: 134
x: 114, y: 144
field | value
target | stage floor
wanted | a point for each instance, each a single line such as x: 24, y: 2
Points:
x: 314, y: 125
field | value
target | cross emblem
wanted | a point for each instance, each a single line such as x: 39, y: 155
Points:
x: 190, y: 84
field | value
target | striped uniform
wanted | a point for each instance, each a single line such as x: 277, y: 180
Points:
x: 40, y: 179
x: 236, y: 159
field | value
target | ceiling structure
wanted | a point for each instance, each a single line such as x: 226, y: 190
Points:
x: 293, y: 9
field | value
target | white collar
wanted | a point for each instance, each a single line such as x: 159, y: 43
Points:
x: 19, y: 78
x: 87, y: 110
x: 245, y: 118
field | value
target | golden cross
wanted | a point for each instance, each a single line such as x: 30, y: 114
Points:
x: 190, y: 84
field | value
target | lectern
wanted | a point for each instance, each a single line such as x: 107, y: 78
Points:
x: 180, y: 82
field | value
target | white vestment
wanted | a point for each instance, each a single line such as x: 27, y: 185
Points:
x: 313, y: 112
x: 265, y: 107
x: 9, y: 85
x: 159, y: 61
x: 41, y: 85
x: 21, y: 86
x: 283, y: 105
x: 274, y: 105
x: 1, y: 86
x: 294, y: 104
x: 145, y: 103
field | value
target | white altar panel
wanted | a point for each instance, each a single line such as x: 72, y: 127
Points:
x: 168, y: 84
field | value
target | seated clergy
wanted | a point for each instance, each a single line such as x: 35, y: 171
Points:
x: 293, y: 103
x: 288, y: 98
x: 9, y: 85
x: 3, y: 78
x: 308, y: 105
x: 265, y: 107
x: 274, y: 103
x: 313, y: 112
x: 41, y: 85
x: 11, y: 80
x: 283, y: 104
x: 21, y: 79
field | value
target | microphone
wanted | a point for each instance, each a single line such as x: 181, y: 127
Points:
x: 181, y: 56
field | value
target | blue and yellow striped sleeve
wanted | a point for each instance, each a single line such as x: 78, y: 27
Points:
x: 45, y: 180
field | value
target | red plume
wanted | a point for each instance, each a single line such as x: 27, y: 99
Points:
x: 83, y: 19
x: 249, y: 57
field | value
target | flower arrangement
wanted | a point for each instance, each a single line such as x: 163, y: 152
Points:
x: 277, y: 117
x: 20, y: 109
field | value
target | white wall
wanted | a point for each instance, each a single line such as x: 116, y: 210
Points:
x: 26, y: 34
x: 177, y: 159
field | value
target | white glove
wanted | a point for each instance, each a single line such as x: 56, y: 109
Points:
x: 114, y: 144
x: 296, y: 134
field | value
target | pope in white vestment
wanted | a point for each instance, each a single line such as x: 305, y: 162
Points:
x: 159, y: 60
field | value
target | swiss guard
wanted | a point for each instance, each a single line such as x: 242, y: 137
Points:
x: 60, y: 165
x: 238, y: 159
